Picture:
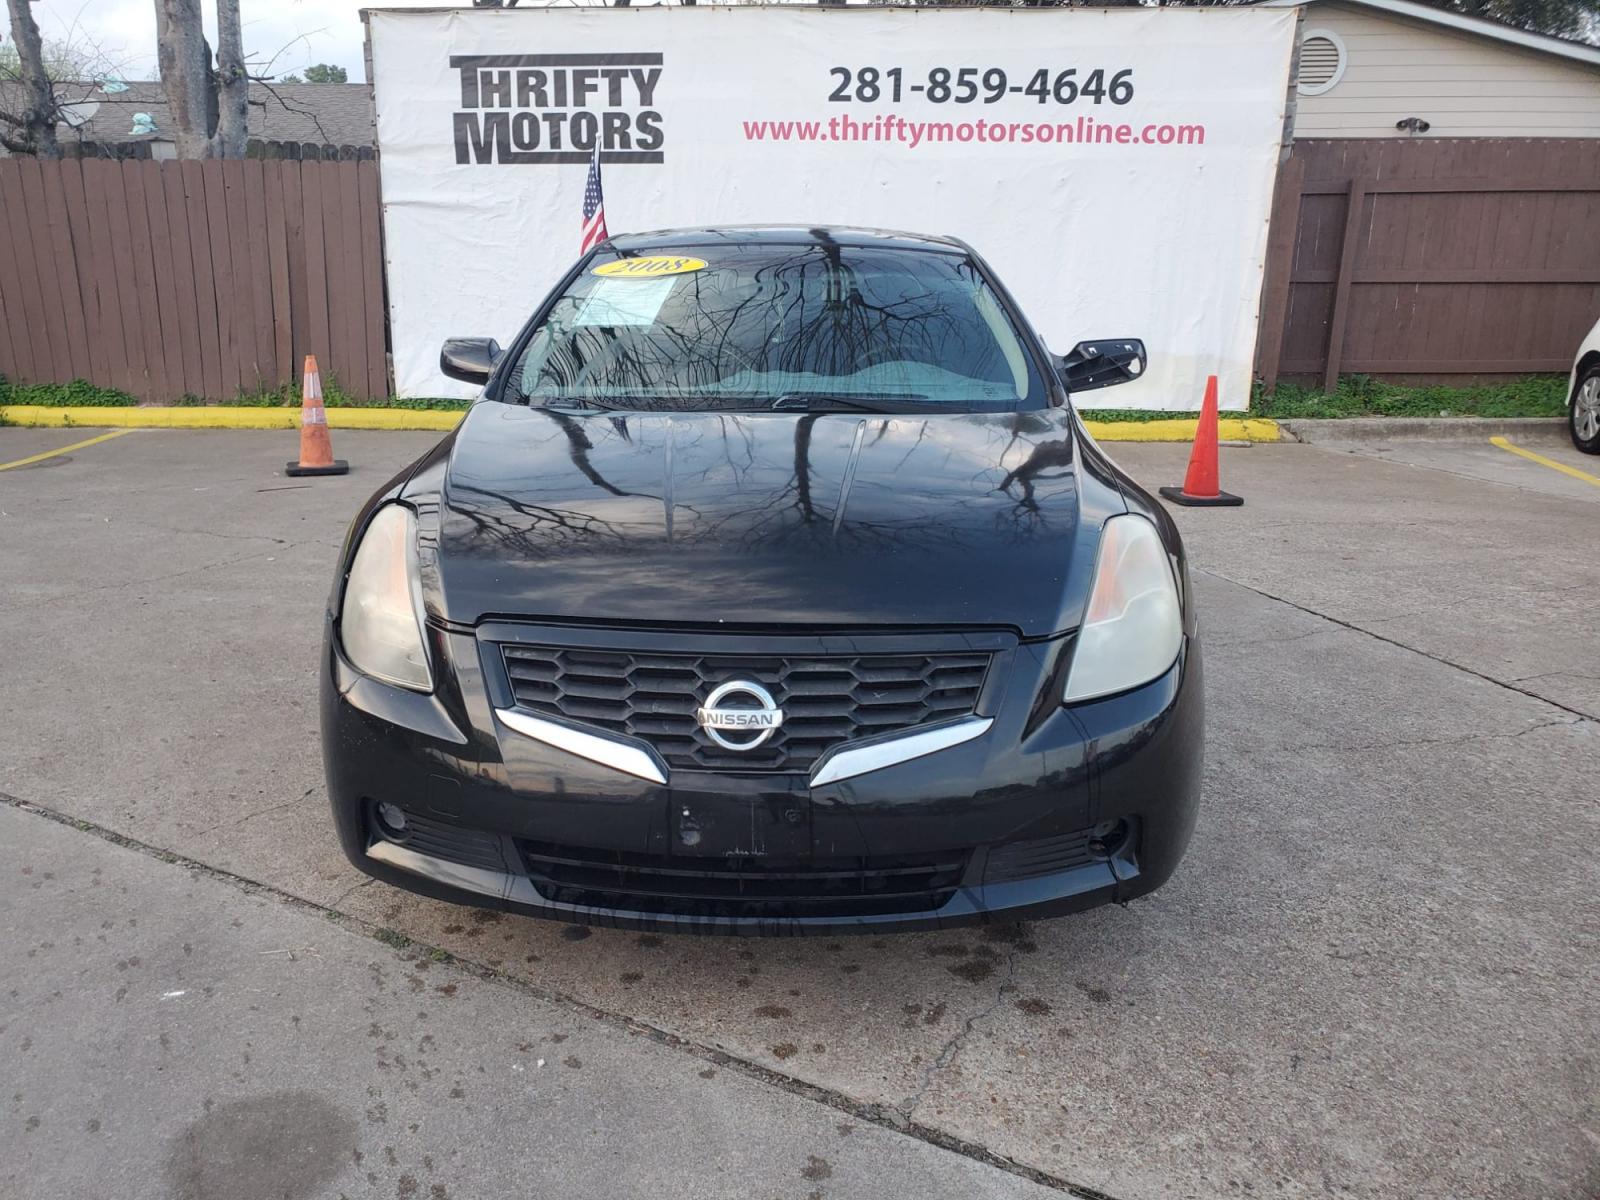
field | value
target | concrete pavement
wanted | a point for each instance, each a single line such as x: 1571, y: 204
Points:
x: 1459, y: 551
x: 1342, y: 431
x: 169, y: 1035
x: 1375, y: 975
x: 1467, y: 448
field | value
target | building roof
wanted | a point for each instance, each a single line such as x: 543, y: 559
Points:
x: 337, y: 114
x: 1481, y: 26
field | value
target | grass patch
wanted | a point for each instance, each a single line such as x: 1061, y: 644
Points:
x: 1144, y: 414
x: 1363, y: 396
x: 391, y: 938
x: 62, y: 395
x: 82, y: 393
x: 333, y: 396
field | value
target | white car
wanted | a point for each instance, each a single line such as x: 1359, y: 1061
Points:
x: 1583, y: 396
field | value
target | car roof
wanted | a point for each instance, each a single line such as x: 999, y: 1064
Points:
x: 784, y: 235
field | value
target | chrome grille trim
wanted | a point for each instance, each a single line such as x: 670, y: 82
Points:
x: 846, y: 761
x: 629, y: 757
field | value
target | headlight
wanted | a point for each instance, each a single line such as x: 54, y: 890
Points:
x: 1133, y: 628
x: 380, y: 621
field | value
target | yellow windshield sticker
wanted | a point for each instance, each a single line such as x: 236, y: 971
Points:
x: 651, y: 266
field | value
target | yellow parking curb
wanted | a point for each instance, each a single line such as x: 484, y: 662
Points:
x: 1230, y: 429
x: 226, y: 417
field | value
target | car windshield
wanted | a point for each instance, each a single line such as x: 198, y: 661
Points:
x: 818, y: 326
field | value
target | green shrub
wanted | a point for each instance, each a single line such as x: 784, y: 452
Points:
x: 1363, y: 396
x: 80, y: 392
x: 334, y: 396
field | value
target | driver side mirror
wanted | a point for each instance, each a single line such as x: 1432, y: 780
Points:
x: 470, y: 359
x: 1101, y: 364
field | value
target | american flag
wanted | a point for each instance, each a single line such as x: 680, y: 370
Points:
x: 594, y: 206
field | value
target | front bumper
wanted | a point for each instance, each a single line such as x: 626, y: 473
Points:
x: 1052, y: 811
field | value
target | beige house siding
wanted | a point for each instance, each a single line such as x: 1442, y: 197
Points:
x: 1463, y: 86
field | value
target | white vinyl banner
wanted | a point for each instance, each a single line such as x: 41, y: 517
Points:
x: 1115, y: 166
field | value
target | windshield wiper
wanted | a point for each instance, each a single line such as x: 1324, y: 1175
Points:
x: 850, y: 401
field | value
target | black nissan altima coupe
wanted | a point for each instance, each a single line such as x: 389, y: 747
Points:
x: 772, y: 586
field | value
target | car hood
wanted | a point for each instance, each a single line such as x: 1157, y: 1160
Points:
x: 738, y: 519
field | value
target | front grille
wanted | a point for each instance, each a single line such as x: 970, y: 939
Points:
x: 743, y: 887
x: 826, y: 699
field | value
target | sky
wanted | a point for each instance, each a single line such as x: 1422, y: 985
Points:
x: 289, y: 35
x: 297, y: 32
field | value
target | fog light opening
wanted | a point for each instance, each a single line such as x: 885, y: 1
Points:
x: 391, y: 820
x: 1107, y: 838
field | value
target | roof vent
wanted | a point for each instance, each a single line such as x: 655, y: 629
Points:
x: 1322, y: 61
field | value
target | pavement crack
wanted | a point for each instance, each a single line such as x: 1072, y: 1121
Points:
x: 1463, y: 739
x: 948, y: 1052
x: 894, y: 1121
x: 1508, y: 685
x: 233, y: 823
x: 351, y: 891
x: 1567, y: 674
x: 1225, y: 643
x: 210, y: 533
x: 125, y: 584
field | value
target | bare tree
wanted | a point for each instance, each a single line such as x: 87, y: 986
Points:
x: 184, y: 59
x: 74, y: 67
x: 209, y: 105
x: 32, y: 131
x: 233, y: 83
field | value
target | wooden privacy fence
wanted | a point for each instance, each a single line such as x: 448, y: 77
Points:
x: 200, y: 279
x: 254, y: 148
x: 1431, y: 260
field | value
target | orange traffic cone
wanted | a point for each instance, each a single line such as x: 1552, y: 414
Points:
x: 316, y: 449
x: 1200, y: 483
